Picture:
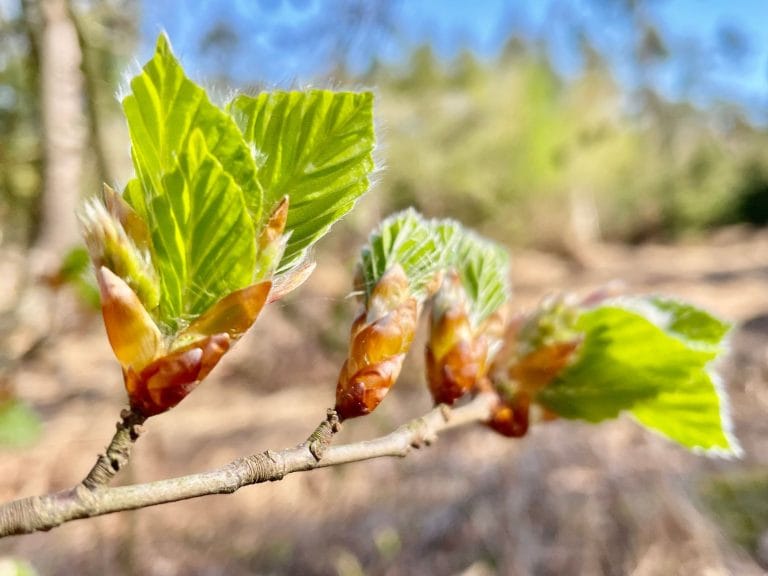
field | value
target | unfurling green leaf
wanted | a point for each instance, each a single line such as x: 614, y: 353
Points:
x: 163, y: 110
x: 111, y: 246
x: 406, y: 239
x: 188, y: 255
x: 483, y: 267
x: 650, y: 357
x: 203, y: 237
x: 314, y: 147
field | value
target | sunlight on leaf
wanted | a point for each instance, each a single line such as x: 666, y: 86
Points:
x: 658, y: 369
x: 406, y: 239
x: 483, y: 267
x: 315, y: 147
x: 203, y: 238
x: 163, y: 109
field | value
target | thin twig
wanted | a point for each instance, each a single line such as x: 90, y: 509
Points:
x: 118, y: 452
x: 45, y: 512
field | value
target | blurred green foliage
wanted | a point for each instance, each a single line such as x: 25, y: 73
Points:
x: 19, y: 425
x: 15, y: 567
x: 509, y: 146
x: 739, y: 502
x: 20, y: 153
x: 505, y: 144
x: 107, y: 31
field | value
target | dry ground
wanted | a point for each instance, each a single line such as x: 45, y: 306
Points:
x: 567, y: 499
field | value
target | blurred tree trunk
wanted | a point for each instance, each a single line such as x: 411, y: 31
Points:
x: 63, y: 136
x: 63, y: 132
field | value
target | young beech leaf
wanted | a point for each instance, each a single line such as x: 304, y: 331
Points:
x: 404, y: 239
x: 163, y: 109
x: 692, y: 325
x: 314, y: 147
x: 694, y: 414
x: 652, y: 358
x: 483, y: 267
x: 202, y: 235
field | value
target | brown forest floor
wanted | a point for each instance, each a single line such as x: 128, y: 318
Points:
x: 567, y: 499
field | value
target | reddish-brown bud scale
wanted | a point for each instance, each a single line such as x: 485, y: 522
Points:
x: 164, y: 383
x: 456, y: 373
x: 375, y: 359
x: 158, y: 375
x: 134, y: 336
x: 233, y: 314
x: 273, y: 231
x: 456, y: 355
x: 359, y: 393
x: 520, y: 371
x: 511, y: 417
x: 379, y: 340
x: 539, y: 368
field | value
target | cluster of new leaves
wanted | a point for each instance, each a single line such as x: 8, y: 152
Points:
x: 218, y: 220
x: 587, y: 359
x: 408, y: 262
x: 595, y: 358
x: 227, y: 201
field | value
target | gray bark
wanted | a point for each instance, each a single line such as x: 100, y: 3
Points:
x: 64, y: 130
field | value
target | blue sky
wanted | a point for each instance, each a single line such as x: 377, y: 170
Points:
x: 284, y: 42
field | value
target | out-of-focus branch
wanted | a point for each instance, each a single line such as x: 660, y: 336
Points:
x: 96, y: 134
x: 45, y: 512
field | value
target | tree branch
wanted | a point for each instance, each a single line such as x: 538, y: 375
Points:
x: 45, y: 512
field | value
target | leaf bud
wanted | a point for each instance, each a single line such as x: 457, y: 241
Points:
x: 456, y: 355
x: 379, y: 339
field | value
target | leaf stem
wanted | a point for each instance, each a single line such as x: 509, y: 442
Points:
x: 118, y: 453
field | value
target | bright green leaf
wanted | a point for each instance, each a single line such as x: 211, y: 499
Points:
x: 163, y: 109
x: 203, y: 238
x: 693, y: 414
x: 19, y: 425
x: 657, y: 368
x: 694, y: 326
x: 74, y: 264
x: 448, y: 234
x: 739, y: 502
x: 407, y: 239
x: 483, y: 267
x: 315, y: 147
